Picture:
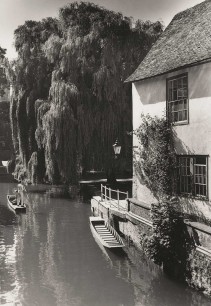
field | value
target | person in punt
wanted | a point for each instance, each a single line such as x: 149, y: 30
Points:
x: 19, y: 195
x: 15, y: 201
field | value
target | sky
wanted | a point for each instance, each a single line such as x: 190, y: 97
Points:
x: 15, y: 12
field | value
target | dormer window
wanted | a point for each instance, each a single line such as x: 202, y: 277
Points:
x: 177, y: 99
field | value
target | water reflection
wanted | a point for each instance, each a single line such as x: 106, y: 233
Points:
x: 48, y: 256
x: 151, y: 286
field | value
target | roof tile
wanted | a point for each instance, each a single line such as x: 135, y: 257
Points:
x: 186, y: 41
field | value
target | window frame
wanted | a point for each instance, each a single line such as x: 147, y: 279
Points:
x: 193, y: 185
x: 183, y: 122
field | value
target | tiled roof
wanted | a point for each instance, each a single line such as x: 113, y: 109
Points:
x: 186, y: 41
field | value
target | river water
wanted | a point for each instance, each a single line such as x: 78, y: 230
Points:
x: 48, y: 256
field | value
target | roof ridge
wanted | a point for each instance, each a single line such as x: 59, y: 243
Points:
x: 185, y: 41
x: 192, y: 8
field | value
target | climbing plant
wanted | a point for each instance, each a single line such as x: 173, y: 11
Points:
x: 155, y: 164
x: 155, y: 159
x: 169, y: 243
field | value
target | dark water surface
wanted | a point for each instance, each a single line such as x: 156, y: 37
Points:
x: 48, y: 256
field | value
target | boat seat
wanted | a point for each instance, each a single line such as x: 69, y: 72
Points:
x: 108, y: 235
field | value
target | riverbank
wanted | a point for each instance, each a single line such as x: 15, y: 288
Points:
x: 135, y: 224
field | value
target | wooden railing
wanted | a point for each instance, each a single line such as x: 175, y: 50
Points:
x: 114, y: 197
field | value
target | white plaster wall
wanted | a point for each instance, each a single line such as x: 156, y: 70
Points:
x: 149, y: 96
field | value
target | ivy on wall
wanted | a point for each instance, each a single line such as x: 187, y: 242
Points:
x: 155, y: 165
x: 170, y: 242
x: 155, y: 160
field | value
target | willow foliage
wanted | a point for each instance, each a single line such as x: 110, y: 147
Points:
x: 32, y: 78
x: 60, y: 138
x: 88, y: 54
x: 3, y: 76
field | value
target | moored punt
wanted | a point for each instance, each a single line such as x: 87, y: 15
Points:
x: 12, y: 203
x: 105, y: 233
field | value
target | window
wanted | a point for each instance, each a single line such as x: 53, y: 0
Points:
x: 177, y: 99
x: 192, y: 172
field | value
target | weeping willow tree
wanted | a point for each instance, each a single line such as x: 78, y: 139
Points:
x: 4, y: 84
x: 32, y: 81
x: 97, y: 51
x: 82, y: 105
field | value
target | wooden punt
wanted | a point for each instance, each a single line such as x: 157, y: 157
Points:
x: 105, y: 233
x: 12, y: 203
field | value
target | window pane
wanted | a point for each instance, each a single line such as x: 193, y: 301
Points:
x: 197, y: 189
x: 185, y: 175
x: 205, y: 190
x: 200, y: 175
x: 174, y: 95
x: 175, y: 86
x: 185, y: 80
x: 180, y: 82
x: 177, y: 93
x: 191, y: 165
x: 189, y: 185
x: 185, y: 115
x: 200, y: 160
x: 174, y: 106
x: 175, y: 117
x: 181, y: 105
x: 182, y: 116
x: 193, y: 175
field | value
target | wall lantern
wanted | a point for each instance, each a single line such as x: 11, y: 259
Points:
x: 117, y: 148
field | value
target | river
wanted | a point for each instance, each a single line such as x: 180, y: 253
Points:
x: 48, y: 256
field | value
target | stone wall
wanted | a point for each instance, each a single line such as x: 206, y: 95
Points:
x: 133, y: 232
x: 199, y: 269
x: 135, y: 224
x: 139, y: 208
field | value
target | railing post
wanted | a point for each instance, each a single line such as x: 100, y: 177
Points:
x: 127, y: 201
x: 105, y: 193
x: 101, y: 189
x: 110, y: 194
x: 118, y: 198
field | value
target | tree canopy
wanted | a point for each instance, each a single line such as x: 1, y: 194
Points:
x: 4, y: 85
x: 70, y: 101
